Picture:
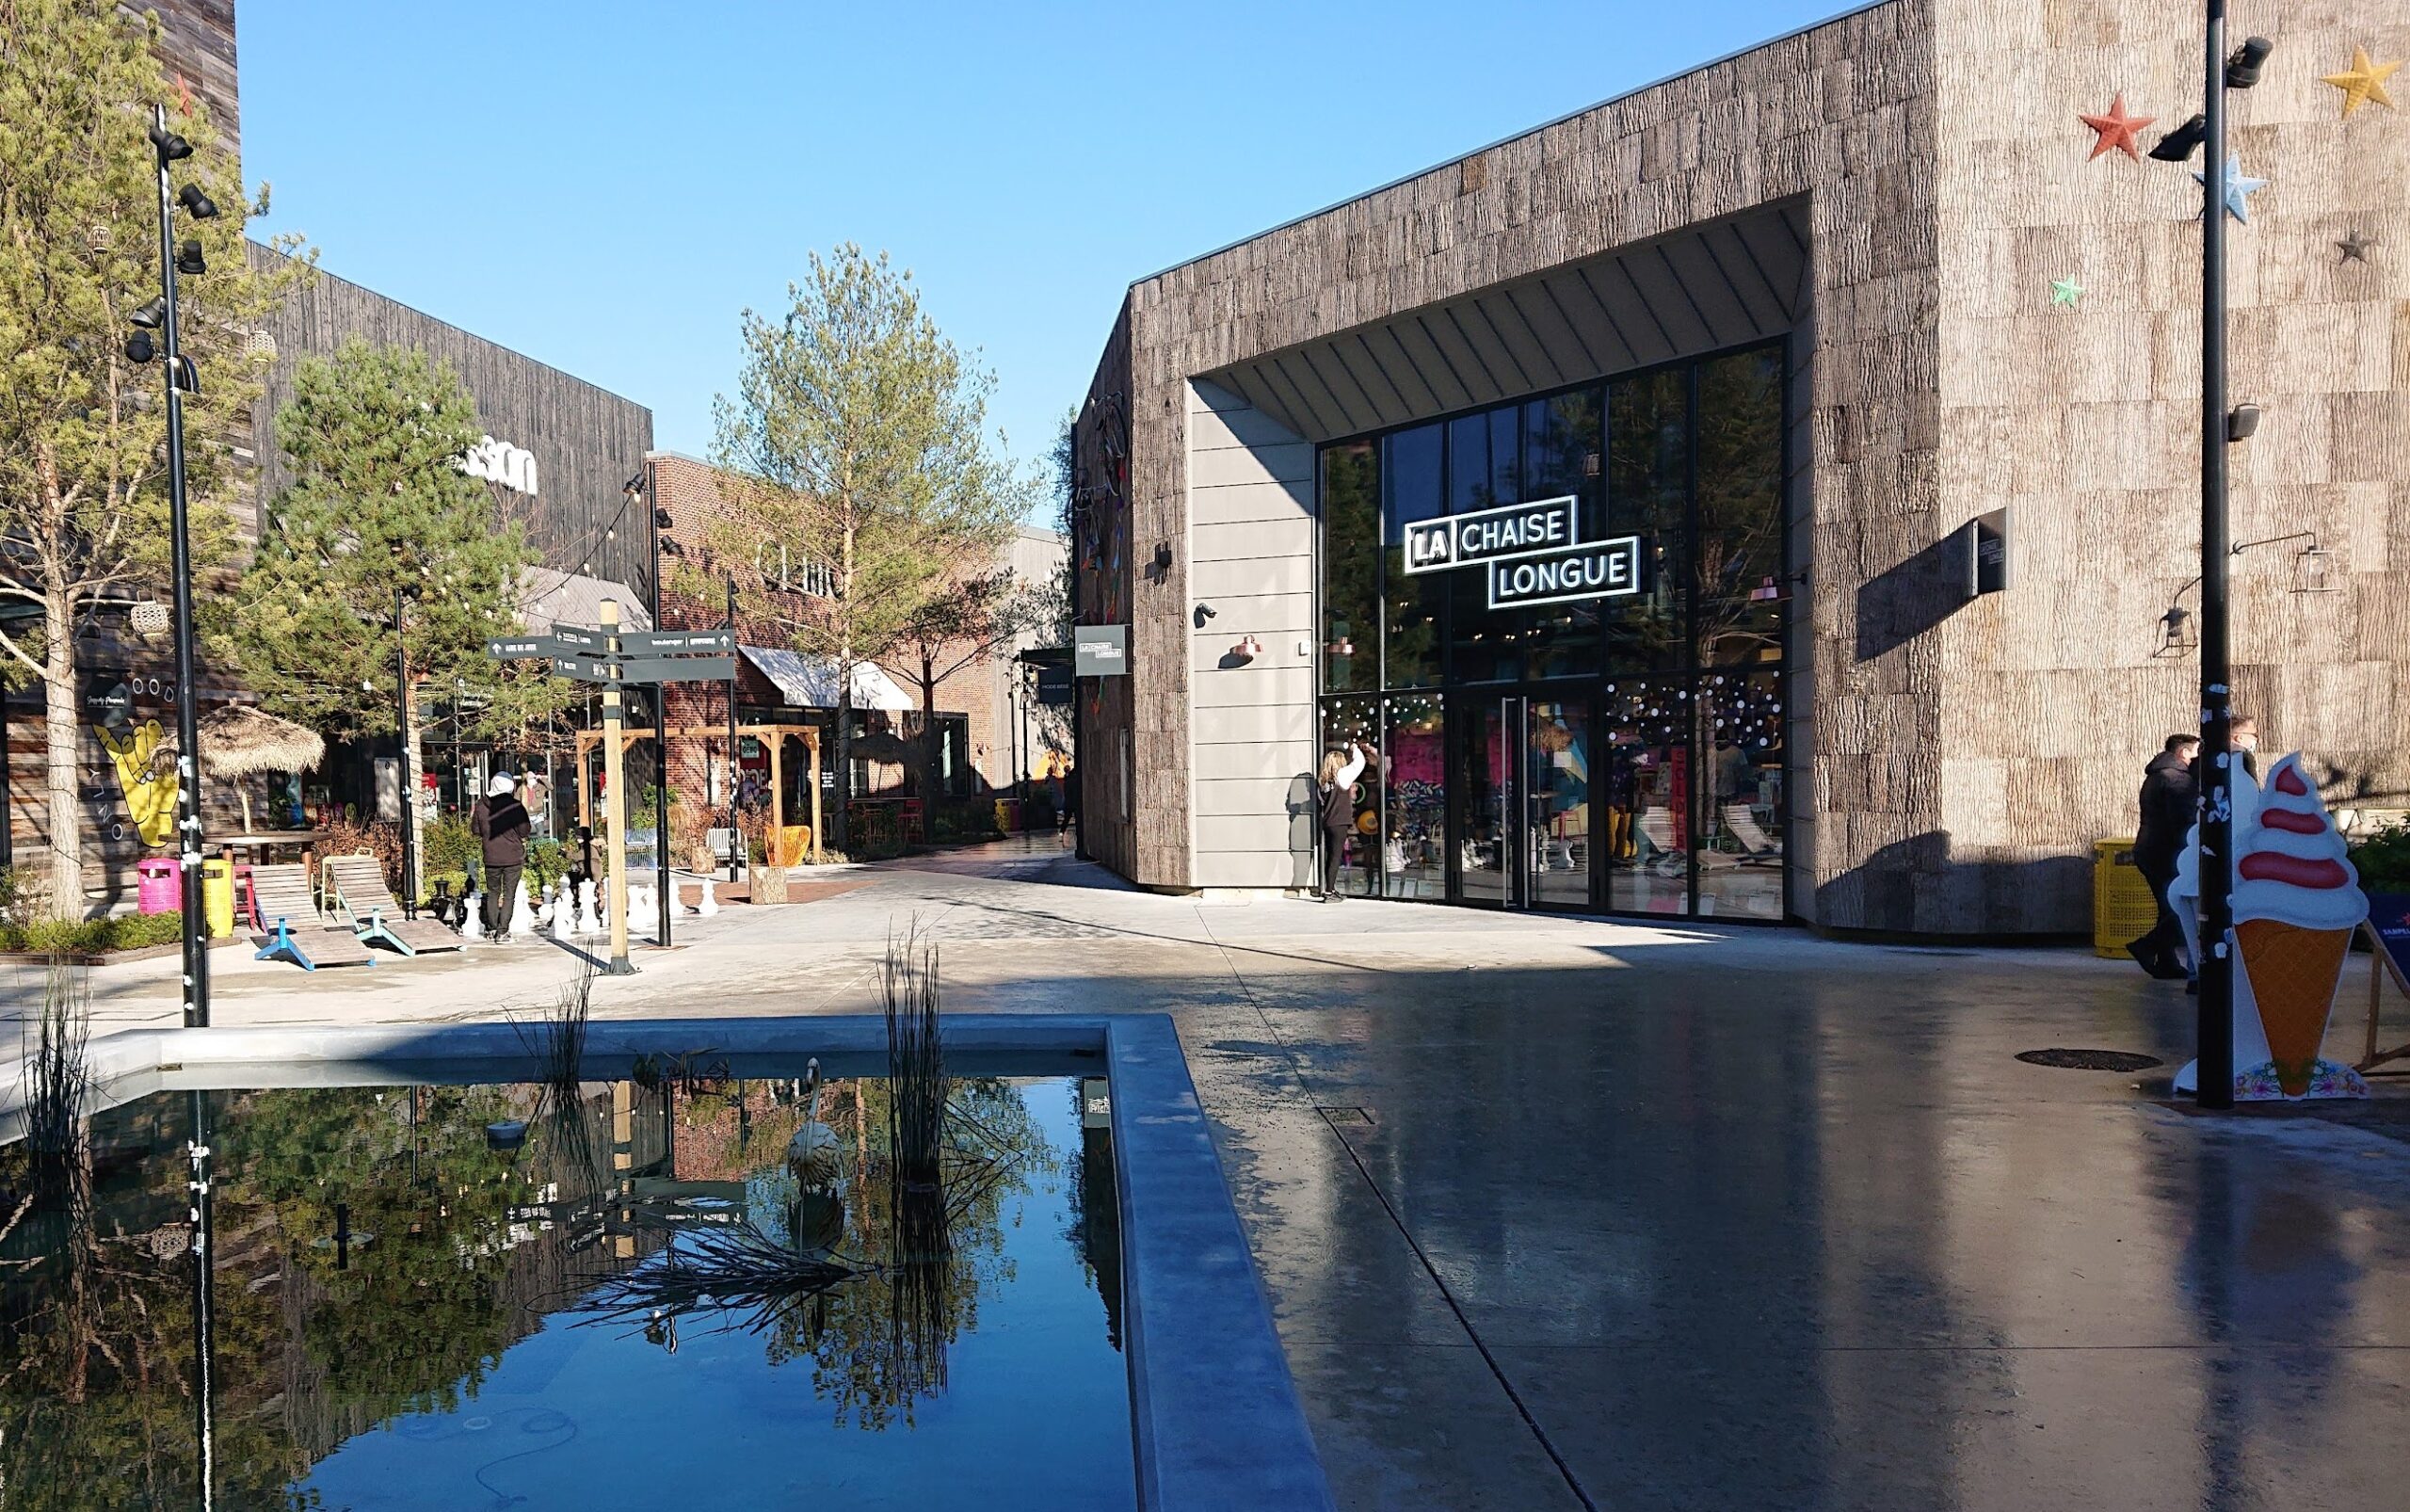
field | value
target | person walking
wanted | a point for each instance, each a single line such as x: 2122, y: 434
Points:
x: 2170, y: 797
x: 1340, y: 766
x: 499, y: 823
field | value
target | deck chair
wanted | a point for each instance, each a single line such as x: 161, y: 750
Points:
x: 356, y: 891
x: 290, y: 926
x: 1654, y: 828
x: 1757, y: 847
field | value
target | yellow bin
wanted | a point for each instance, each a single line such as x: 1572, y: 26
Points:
x: 217, y: 897
x: 2123, y: 907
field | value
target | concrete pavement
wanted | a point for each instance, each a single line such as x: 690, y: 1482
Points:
x: 1567, y: 1213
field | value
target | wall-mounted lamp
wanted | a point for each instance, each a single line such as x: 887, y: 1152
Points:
x: 1340, y: 648
x: 2241, y: 423
x: 1204, y: 612
x: 1247, y: 650
x: 2176, y: 631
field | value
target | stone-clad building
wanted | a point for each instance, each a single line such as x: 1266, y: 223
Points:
x: 1774, y: 339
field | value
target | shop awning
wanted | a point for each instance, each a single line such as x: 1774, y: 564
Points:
x: 810, y: 682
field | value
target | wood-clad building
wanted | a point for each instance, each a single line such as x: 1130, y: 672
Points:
x: 1794, y: 326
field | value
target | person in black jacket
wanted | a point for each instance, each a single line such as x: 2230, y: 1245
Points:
x: 499, y: 821
x: 2170, y: 795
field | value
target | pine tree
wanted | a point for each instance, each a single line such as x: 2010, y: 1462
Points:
x: 82, y: 469
x: 379, y: 515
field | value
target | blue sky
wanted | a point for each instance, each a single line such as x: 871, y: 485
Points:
x: 605, y: 186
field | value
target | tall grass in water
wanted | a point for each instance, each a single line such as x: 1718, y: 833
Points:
x: 56, y: 1211
x: 556, y: 1043
x: 921, y: 1257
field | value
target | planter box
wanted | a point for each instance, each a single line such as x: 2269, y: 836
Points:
x: 768, y: 884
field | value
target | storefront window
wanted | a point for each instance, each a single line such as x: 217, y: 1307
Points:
x: 1350, y: 568
x: 1358, y: 721
x: 1411, y: 491
x: 1414, y: 854
x: 1743, y: 814
x: 1738, y: 556
x: 1646, y: 791
x: 1621, y: 750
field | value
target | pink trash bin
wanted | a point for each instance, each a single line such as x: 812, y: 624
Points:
x: 161, y: 890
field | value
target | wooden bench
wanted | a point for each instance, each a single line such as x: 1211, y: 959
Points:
x: 355, y: 886
x: 291, y: 927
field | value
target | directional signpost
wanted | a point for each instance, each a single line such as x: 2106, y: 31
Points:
x: 606, y: 657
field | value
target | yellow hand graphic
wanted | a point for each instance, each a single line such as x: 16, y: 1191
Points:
x: 149, y: 793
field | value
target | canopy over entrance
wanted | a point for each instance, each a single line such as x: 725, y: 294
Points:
x: 810, y: 682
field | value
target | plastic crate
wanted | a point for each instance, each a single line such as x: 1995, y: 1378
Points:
x: 2123, y: 905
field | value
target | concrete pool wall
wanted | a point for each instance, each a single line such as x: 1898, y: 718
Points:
x: 1215, y: 1421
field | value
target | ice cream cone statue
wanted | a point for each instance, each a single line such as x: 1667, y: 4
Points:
x: 2297, y: 901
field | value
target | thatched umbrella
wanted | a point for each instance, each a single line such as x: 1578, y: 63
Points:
x: 239, y: 740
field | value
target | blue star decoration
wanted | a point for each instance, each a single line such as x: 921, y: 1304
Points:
x: 2236, y: 187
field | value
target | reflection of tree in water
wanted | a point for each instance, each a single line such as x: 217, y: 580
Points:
x: 314, y: 1342
x: 875, y: 1344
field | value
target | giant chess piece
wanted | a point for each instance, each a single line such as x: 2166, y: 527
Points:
x: 710, y: 904
x: 589, y: 922
x: 473, y: 917
x: 522, y: 918
x: 564, y: 917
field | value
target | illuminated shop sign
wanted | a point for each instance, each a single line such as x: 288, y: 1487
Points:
x: 1528, y: 553
x: 1490, y: 535
x: 1599, y: 570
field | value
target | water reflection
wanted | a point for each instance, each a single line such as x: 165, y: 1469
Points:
x: 402, y: 1311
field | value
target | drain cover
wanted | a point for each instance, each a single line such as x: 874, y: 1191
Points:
x: 2090, y: 1060
x: 1346, y: 1114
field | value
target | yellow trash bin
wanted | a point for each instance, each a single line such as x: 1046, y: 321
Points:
x: 2123, y: 905
x: 217, y: 897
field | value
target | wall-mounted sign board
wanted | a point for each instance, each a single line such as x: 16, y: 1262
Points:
x: 1100, y: 650
x: 1599, y: 570
x: 1492, y: 534
x: 1987, y: 553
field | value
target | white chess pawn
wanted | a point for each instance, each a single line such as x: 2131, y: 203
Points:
x: 472, y: 924
x: 522, y: 918
x: 589, y: 921
x: 710, y: 905
x: 640, y: 905
x: 564, y: 920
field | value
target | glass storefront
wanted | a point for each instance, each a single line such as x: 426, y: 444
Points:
x: 1575, y: 701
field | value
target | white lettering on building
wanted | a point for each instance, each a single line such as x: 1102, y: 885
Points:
x: 1595, y: 571
x: 498, y: 461
x: 1487, y: 535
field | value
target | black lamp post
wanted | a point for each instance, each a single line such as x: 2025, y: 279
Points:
x: 159, y: 316
x: 403, y: 744
x: 2206, y: 131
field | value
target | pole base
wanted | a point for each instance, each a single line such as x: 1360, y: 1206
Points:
x: 619, y: 968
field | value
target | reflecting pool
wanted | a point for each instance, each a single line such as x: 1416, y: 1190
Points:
x: 640, y: 1292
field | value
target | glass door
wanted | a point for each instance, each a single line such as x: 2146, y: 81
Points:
x: 1485, y: 738
x: 1556, y: 802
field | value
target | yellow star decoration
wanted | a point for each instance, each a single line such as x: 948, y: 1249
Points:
x: 2363, y: 80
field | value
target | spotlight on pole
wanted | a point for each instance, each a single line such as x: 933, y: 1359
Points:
x: 197, y: 205
x: 2241, y: 423
x: 2178, y: 146
x: 2242, y: 69
x: 152, y: 312
x: 171, y: 148
x: 189, y: 259
x: 140, y: 349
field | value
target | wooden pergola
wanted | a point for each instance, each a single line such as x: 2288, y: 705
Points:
x: 773, y: 736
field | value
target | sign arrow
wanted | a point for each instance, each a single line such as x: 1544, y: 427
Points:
x: 586, y: 669
x: 584, y: 639
x: 525, y: 648
x: 663, y: 642
x: 678, y: 668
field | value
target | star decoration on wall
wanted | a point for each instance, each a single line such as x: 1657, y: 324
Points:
x: 2065, y: 292
x: 2236, y: 187
x: 2364, y: 81
x: 2117, y: 130
x: 2355, y: 248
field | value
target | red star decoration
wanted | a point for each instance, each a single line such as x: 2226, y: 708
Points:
x: 2116, y: 129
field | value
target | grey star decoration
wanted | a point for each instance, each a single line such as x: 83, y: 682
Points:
x: 2355, y: 248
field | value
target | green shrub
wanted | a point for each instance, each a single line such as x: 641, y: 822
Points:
x: 547, y: 863
x: 2383, y: 859
x: 451, y: 845
x: 85, y: 936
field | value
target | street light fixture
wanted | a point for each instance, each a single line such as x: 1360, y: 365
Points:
x: 2220, y: 430
x: 197, y: 205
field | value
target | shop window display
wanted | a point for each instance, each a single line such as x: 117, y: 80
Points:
x: 1357, y: 720
x: 1623, y: 751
